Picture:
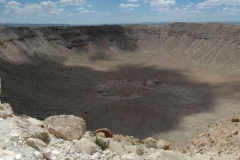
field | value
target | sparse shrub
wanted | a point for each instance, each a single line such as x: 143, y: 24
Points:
x: 138, y: 141
x: 102, y: 143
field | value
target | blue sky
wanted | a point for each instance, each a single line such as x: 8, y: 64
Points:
x: 117, y: 11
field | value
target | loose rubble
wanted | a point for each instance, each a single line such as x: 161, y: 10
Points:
x: 26, y: 138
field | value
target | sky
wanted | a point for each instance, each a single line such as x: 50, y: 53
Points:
x: 117, y: 11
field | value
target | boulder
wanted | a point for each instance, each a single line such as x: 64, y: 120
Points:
x: 67, y: 127
x: 162, y: 144
x: 30, y: 128
x: 87, y: 145
x: 40, y: 146
x: 5, y: 110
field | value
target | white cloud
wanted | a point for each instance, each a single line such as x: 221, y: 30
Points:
x: 132, y: 1
x: 80, y: 8
x: 160, y: 3
x: 89, y: 5
x: 189, y: 6
x: 129, y: 5
x: 49, y: 7
x: 231, y: 10
x: 44, y: 8
x: 210, y: 4
x: 86, y: 11
x: 73, y: 2
x: 3, y: 1
x: 128, y: 10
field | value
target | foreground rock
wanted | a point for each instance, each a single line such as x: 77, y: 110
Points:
x: 66, y: 126
x: 5, y: 110
x: 86, y: 144
x: 28, y: 127
x: 8, y: 155
x: 223, y: 138
x: 14, y: 147
x: 39, y: 146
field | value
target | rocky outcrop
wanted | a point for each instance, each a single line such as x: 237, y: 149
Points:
x: 66, y: 126
x: 19, y: 143
x: 30, y: 128
x: 5, y: 110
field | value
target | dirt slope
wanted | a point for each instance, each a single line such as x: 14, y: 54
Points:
x: 169, y: 81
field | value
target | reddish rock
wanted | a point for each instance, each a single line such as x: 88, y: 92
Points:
x: 106, y: 131
x: 234, y: 120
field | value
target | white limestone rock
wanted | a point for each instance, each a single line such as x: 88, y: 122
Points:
x: 67, y: 127
x: 40, y: 146
x: 130, y: 156
x: 5, y: 110
x: 87, y: 145
x: 30, y: 128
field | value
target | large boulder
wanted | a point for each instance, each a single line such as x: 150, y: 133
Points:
x: 5, y: 110
x: 27, y: 127
x: 67, y: 127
